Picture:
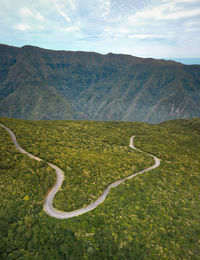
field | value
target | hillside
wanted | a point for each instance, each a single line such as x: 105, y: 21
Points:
x: 153, y: 216
x: 43, y: 84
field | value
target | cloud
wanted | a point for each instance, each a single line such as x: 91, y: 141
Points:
x: 106, y: 7
x: 72, y: 5
x: 149, y: 36
x: 185, y: 1
x: 139, y: 27
x: 41, y: 27
x: 39, y: 17
x: 65, y: 8
x: 166, y: 11
x: 192, y: 23
x: 181, y: 14
x: 192, y: 29
x: 22, y: 27
x: 61, y: 11
x: 25, y: 11
x: 70, y: 29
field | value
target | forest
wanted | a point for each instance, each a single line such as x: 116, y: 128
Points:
x: 153, y: 216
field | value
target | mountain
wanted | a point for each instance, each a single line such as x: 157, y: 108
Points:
x: 37, y: 83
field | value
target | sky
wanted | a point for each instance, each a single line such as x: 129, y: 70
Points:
x: 144, y: 28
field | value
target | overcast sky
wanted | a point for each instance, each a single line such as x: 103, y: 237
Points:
x: 145, y: 28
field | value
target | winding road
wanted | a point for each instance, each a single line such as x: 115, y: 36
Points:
x: 48, y: 207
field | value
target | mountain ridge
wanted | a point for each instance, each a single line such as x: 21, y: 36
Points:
x: 89, y: 85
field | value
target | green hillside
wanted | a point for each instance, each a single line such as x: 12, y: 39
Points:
x: 152, y: 216
x: 151, y: 91
x: 87, y: 85
x: 36, y: 100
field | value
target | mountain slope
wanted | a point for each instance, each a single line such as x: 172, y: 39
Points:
x: 94, y: 86
x: 145, y: 92
x: 35, y: 100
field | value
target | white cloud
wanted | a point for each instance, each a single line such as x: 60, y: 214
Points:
x: 73, y: 28
x: 140, y: 27
x: 167, y: 11
x: 27, y: 12
x: 61, y: 11
x: 65, y: 8
x: 106, y: 7
x: 195, y: 29
x: 186, y: 1
x: 22, y: 27
x: 71, y: 3
x: 182, y: 14
x: 123, y: 30
x: 148, y: 36
x: 41, y: 27
x: 192, y: 23
x: 39, y: 17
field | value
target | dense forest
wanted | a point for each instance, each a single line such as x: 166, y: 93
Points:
x: 40, y: 84
x: 153, y: 216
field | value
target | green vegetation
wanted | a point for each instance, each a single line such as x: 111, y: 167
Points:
x: 153, y: 216
x: 41, y: 84
x: 92, y: 155
x: 37, y: 101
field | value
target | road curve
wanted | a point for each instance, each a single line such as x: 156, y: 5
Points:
x: 48, y: 207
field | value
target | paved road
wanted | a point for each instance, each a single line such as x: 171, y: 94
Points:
x: 48, y: 207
